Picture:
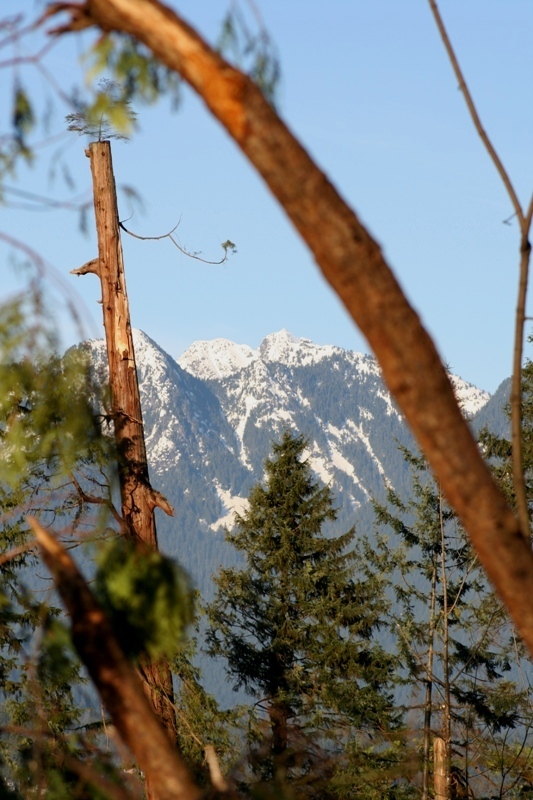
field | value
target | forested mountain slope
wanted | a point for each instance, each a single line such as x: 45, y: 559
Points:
x: 211, y: 417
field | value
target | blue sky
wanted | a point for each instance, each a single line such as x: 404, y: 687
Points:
x: 368, y: 90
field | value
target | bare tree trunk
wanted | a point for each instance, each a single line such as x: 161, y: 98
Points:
x: 137, y: 496
x: 440, y: 772
x: 515, y: 400
x: 446, y: 715
x: 428, y: 707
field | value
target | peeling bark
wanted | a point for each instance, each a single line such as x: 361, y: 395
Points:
x: 352, y: 262
x: 137, y: 496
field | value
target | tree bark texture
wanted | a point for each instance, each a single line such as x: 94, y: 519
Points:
x: 428, y: 702
x: 440, y: 772
x: 447, y: 705
x: 115, y: 678
x: 137, y: 496
x: 352, y: 262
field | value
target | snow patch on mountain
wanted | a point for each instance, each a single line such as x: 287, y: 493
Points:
x: 216, y: 359
x: 319, y: 464
x: 470, y: 398
x: 364, y: 438
x: 232, y: 504
x: 287, y: 349
x: 219, y: 358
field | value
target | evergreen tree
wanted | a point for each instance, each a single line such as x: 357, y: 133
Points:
x: 498, y: 449
x: 297, y: 629
x: 200, y: 722
x: 455, y: 644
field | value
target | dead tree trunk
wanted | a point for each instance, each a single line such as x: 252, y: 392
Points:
x: 440, y: 769
x: 137, y: 496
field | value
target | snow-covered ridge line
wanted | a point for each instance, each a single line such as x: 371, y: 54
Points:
x: 220, y: 358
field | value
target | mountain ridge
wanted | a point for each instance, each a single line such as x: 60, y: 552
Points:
x: 211, y: 416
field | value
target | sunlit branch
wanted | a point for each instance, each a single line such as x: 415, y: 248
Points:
x: 524, y: 220
x: 227, y: 246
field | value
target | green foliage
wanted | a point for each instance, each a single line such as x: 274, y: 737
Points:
x: 297, y: 630
x: 254, y: 53
x: 47, y: 415
x: 229, y: 247
x: 148, y: 598
x: 135, y: 72
x: 454, y: 639
x: 15, y: 146
x: 49, y: 432
x: 110, y: 115
x: 23, y: 118
x: 498, y: 450
x: 199, y: 720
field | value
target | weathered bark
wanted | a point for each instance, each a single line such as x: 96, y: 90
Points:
x: 439, y: 769
x: 447, y: 705
x: 137, y: 496
x: 428, y: 703
x: 516, y: 399
x: 115, y: 678
x: 352, y: 262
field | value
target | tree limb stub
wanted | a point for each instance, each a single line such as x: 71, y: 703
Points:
x: 89, y: 267
x: 352, y: 262
x: 115, y: 678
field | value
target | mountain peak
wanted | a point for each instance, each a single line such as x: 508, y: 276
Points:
x: 286, y: 348
x: 216, y: 359
x: 277, y: 345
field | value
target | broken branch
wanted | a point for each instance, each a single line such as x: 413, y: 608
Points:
x: 114, y: 677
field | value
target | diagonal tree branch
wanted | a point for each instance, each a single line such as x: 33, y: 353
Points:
x: 115, y: 678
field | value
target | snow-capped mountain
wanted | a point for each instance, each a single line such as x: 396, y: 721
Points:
x: 211, y: 417
x: 333, y: 396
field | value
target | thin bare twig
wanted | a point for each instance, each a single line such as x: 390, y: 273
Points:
x: 30, y: 59
x: 41, y: 202
x: 227, y: 246
x: 504, y: 175
x: 524, y: 220
x: 93, y: 500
